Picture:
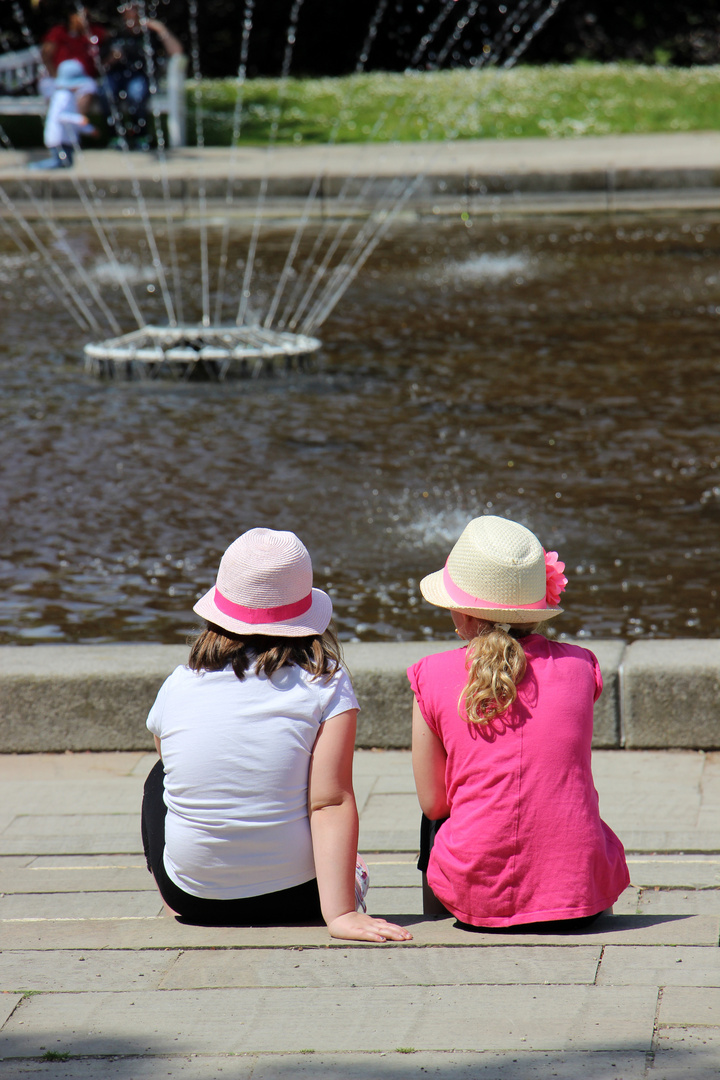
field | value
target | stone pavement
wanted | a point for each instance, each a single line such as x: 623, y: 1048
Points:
x: 610, y: 172
x: 96, y: 982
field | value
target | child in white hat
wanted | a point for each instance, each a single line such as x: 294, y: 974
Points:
x: 250, y: 817
x: 502, y: 731
x: 64, y: 123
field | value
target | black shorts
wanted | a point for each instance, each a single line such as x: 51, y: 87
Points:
x: 299, y: 904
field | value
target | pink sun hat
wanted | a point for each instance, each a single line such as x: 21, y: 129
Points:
x: 498, y: 571
x: 264, y: 586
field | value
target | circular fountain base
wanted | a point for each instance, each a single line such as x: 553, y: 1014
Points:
x: 193, y: 350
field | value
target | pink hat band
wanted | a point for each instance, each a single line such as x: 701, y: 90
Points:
x: 262, y: 615
x: 468, y: 600
x: 264, y: 586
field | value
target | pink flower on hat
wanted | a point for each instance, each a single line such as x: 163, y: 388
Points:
x: 554, y: 577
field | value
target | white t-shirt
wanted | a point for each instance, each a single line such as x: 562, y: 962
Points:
x: 236, y: 757
x: 63, y: 121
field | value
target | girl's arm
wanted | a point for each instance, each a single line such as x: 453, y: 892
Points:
x: 157, y: 745
x: 429, y: 760
x: 334, y: 826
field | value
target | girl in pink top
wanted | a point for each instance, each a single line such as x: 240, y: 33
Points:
x: 502, y: 730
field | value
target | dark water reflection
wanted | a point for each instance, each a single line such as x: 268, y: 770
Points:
x: 560, y: 372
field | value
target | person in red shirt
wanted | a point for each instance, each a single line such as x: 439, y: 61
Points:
x: 75, y: 39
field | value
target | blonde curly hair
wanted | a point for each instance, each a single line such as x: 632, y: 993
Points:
x: 495, y: 662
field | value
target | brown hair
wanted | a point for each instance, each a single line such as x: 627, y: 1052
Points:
x: 495, y: 661
x: 215, y: 648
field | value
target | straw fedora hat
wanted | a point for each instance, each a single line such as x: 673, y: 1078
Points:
x: 498, y: 571
x: 264, y: 586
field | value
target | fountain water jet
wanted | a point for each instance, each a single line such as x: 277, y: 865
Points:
x: 287, y: 328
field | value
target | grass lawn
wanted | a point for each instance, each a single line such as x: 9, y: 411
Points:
x: 555, y: 101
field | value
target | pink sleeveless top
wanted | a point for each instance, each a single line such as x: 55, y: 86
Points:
x: 524, y: 841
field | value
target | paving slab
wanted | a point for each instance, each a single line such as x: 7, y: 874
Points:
x: 11, y: 862
x: 507, y: 965
x: 430, y: 1018
x: 659, y: 965
x: 651, y: 786
x: 400, y: 782
x: 672, y: 841
x: 363, y: 789
x: 650, y: 768
x: 628, y: 901
x: 168, y: 933
x: 707, y: 818
x: 61, y: 880
x: 144, y: 764
x: 697, y: 872
x: 80, y: 766
x: 711, y: 774
x: 374, y: 838
x: 395, y: 901
x: 190, y: 1067
x: 391, y: 869
x: 390, y: 822
x: 102, y: 861
x: 380, y: 763
x: 81, y: 905
x: 686, y: 1054
x: 83, y: 970
x: 68, y: 825
x: 690, y: 1006
x: 81, y: 844
x: 391, y: 1065
x: 679, y: 901
x: 8, y: 1003
x: 93, y: 796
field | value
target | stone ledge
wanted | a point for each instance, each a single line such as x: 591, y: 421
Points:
x: 658, y: 694
x: 365, y: 190
x: 670, y: 695
x: 77, y: 697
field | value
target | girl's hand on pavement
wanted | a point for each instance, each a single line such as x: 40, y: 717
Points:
x: 354, y: 926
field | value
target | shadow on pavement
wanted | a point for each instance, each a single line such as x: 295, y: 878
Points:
x: 698, y: 1063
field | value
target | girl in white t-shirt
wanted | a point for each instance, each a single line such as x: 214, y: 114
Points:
x: 250, y: 816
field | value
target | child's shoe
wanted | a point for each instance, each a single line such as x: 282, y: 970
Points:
x: 60, y: 160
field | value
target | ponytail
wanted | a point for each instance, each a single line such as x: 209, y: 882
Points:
x: 495, y: 663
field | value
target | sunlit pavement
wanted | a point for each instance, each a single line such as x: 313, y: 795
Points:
x: 613, y: 172
x: 92, y: 970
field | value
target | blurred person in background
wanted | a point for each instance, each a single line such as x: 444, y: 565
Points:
x: 77, y: 38
x: 130, y: 62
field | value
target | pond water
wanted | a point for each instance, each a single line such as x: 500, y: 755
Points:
x: 562, y: 372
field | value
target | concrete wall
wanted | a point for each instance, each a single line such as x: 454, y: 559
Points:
x: 662, y: 694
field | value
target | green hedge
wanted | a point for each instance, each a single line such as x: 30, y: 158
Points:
x: 557, y: 101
